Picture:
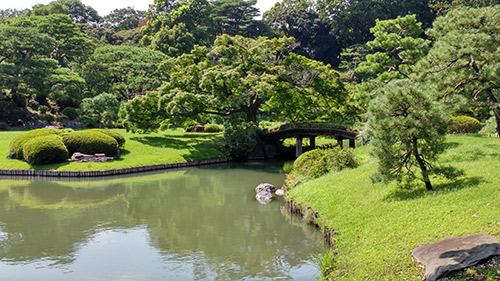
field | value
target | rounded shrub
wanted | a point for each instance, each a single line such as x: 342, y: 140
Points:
x: 464, y: 125
x: 311, y: 163
x: 43, y: 109
x: 16, y: 145
x: 71, y: 112
x: 45, y: 150
x: 3, y: 126
x: 47, y: 117
x: 337, y: 159
x: 90, y: 142
x: 117, y: 136
x: 212, y: 128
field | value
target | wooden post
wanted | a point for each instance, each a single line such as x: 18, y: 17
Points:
x: 298, y: 146
x: 312, y: 142
x: 352, y: 143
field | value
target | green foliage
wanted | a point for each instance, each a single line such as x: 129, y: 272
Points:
x: 212, y: 128
x: 236, y: 17
x: 326, y: 262
x: 3, y: 126
x: 489, y: 127
x: 464, y: 58
x: 45, y: 150
x: 16, y: 145
x: 91, y: 142
x: 47, y: 118
x: 317, y: 162
x: 99, y: 111
x: 66, y: 87
x: 124, y: 19
x: 464, y: 125
x: 311, y: 163
x: 43, y: 109
x: 338, y: 159
x: 117, y: 136
x: 239, y: 138
x: 70, y: 112
x: 406, y: 129
x: 124, y: 71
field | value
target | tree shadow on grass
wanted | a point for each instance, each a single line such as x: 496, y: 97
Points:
x: 199, y: 145
x: 404, y: 194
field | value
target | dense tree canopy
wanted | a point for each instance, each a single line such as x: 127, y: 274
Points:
x: 123, y: 71
x: 242, y: 75
x: 464, y: 58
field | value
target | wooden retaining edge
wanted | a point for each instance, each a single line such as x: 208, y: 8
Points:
x: 328, y: 234
x: 112, y: 172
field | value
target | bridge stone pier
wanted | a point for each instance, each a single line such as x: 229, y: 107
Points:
x: 299, y: 132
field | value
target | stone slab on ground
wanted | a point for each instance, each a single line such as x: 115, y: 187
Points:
x: 452, y: 254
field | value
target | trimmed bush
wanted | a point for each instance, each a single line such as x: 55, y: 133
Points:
x: 71, y: 112
x: 464, y: 125
x: 318, y: 162
x: 47, y: 117
x: 311, y: 163
x: 212, y: 128
x: 16, y: 145
x: 117, y: 136
x: 338, y: 159
x: 3, y: 126
x: 91, y: 142
x: 45, y: 150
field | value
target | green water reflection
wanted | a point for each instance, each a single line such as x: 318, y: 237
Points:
x: 195, y: 224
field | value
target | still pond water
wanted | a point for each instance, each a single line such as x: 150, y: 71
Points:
x: 194, y: 224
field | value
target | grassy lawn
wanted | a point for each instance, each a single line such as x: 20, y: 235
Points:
x: 379, y: 225
x: 140, y: 149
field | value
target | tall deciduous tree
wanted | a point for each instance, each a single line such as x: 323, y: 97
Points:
x: 298, y: 19
x: 176, y: 26
x: 242, y: 76
x: 25, y: 65
x: 464, y: 58
x: 407, y: 129
x: 236, y: 17
x: 124, y: 19
x: 122, y: 71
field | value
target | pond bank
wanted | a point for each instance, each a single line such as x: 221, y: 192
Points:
x: 112, y: 172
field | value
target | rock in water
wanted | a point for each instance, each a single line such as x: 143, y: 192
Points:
x: 264, y: 197
x: 265, y: 187
x: 280, y: 192
x: 455, y: 253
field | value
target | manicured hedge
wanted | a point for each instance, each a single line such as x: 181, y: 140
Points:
x: 212, y: 128
x: 318, y: 162
x: 464, y: 125
x: 45, y: 150
x: 117, y: 136
x: 16, y: 145
x: 91, y: 142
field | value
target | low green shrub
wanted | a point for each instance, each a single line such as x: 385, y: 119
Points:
x: 489, y: 127
x: 311, y: 163
x: 62, y: 118
x: 338, y: 159
x: 3, y: 126
x: 318, y: 162
x: 464, y: 125
x: 91, y: 142
x: 16, y: 145
x: 212, y: 128
x: 45, y: 150
x: 117, y: 136
x: 71, y: 112
x: 47, y: 117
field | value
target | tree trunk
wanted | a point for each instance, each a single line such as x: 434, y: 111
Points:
x: 423, y: 168
x: 252, y: 108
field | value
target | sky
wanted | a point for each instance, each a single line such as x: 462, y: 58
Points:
x: 103, y: 7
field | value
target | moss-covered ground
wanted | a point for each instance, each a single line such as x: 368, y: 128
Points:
x: 378, y: 225
x: 139, y: 150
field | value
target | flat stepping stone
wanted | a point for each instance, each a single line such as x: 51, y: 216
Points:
x: 452, y: 254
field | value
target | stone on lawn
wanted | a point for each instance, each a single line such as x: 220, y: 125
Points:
x: 452, y: 254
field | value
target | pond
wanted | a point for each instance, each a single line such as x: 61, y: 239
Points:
x: 193, y: 224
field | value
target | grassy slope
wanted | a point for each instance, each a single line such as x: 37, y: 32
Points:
x: 379, y: 225
x: 148, y: 149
